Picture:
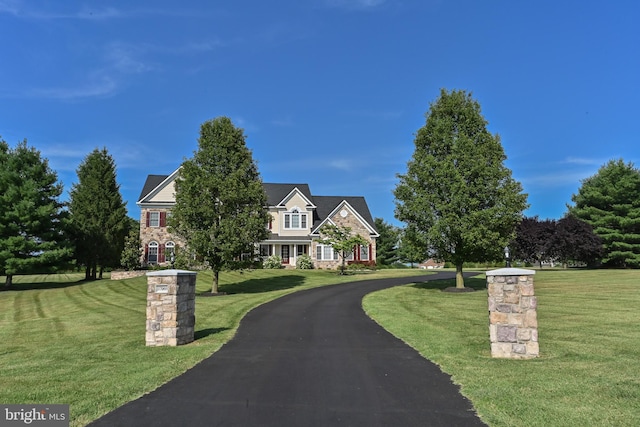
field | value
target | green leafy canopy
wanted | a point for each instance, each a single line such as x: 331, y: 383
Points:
x: 457, y: 193
x: 220, y: 201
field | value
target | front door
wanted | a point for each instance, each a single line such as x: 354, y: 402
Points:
x: 285, y: 254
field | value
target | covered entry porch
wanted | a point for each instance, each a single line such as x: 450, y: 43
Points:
x: 289, y: 248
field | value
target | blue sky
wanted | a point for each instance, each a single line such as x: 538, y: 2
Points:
x: 329, y: 92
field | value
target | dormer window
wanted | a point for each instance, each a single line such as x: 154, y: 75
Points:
x: 295, y: 220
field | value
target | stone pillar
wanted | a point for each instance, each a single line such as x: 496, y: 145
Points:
x: 171, y: 304
x: 513, y: 319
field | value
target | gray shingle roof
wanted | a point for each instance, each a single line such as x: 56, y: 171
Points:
x: 151, y: 183
x: 276, y: 192
x: 326, y: 205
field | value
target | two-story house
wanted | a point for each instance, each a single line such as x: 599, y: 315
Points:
x: 296, y: 218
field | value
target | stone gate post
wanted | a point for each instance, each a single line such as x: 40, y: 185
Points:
x: 513, y: 319
x: 171, y: 304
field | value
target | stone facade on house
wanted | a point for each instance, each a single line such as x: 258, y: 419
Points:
x: 297, y: 216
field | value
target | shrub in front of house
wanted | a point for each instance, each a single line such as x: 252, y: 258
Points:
x: 304, y: 262
x: 363, y: 265
x: 273, y: 262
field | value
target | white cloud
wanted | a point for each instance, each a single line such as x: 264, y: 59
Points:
x: 124, y: 58
x: 354, y: 4
x: 11, y: 7
x: 341, y: 164
x: 286, y: 121
x: 583, y: 161
x: 99, y: 87
x: 22, y: 10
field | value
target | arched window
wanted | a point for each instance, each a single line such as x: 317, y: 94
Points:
x: 170, y: 251
x: 152, y: 254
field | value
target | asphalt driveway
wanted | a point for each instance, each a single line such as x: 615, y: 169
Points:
x: 311, y: 358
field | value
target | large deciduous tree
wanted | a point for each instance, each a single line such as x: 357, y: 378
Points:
x: 457, y: 192
x: 99, y: 221
x: 610, y: 202
x: 31, y: 215
x: 576, y: 242
x: 220, y: 209
x: 535, y: 240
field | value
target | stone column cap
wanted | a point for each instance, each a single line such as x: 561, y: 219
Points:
x: 510, y: 272
x: 172, y: 273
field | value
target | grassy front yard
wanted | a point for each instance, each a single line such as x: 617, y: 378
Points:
x: 589, y: 326
x: 83, y: 344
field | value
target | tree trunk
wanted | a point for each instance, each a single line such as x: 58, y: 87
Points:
x: 214, y: 287
x: 8, y: 281
x: 459, y: 276
x: 87, y: 273
x: 100, y: 274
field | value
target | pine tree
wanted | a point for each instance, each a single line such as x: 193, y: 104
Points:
x: 610, y: 202
x: 31, y: 215
x: 386, y: 243
x: 98, y: 214
x: 220, y: 201
x: 457, y: 192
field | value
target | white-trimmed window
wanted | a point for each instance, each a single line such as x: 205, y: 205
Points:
x: 157, y: 218
x: 154, y: 219
x: 152, y: 255
x: 265, y: 250
x: 364, y: 253
x: 326, y: 253
x: 170, y: 248
x: 295, y: 220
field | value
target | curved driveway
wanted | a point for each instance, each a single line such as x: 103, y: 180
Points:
x: 311, y: 358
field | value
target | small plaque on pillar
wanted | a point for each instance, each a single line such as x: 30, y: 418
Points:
x: 162, y: 289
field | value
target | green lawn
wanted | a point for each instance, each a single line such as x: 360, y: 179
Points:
x: 589, y: 326
x: 83, y: 344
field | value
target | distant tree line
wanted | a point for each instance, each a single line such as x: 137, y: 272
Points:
x: 39, y: 233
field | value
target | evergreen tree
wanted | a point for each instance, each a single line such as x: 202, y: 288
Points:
x: 610, y: 202
x: 457, y: 192
x: 220, y: 201
x: 386, y: 243
x: 99, y: 219
x: 31, y: 215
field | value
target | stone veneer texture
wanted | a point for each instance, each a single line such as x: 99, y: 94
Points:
x: 171, y: 307
x: 513, y: 321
